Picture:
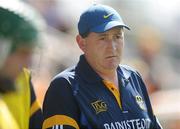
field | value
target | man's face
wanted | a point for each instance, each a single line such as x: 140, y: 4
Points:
x: 103, y: 51
x: 5, y: 46
x: 17, y: 60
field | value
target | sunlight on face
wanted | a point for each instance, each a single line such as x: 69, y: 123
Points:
x: 103, y: 51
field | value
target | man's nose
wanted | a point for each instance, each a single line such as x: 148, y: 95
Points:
x: 112, y: 44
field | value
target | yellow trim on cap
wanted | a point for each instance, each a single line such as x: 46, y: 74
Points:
x: 115, y: 91
x: 35, y: 106
x: 59, y: 120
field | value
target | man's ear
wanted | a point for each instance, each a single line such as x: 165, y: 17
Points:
x: 81, y: 42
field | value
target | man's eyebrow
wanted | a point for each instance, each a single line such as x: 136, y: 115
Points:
x: 119, y: 33
x: 103, y: 34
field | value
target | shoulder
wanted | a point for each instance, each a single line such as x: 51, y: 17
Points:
x: 128, y: 70
x: 67, y: 75
x: 6, y: 118
x: 62, y: 81
x: 59, y: 94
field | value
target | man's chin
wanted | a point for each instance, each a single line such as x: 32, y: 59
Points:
x: 111, y: 66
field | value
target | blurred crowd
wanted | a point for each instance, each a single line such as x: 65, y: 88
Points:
x: 152, y: 47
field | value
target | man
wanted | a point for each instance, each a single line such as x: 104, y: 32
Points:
x: 19, y: 37
x: 98, y: 93
x: 7, y: 121
x: 5, y: 114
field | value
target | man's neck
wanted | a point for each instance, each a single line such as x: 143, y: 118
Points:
x: 110, y: 76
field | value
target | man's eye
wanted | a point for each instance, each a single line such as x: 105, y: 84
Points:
x: 102, y: 38
x: 118, y: 36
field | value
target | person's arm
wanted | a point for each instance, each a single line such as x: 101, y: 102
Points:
x: 60, y: 109
x: 35, y: 111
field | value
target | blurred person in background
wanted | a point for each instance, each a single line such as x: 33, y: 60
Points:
x: 98, y: 93
x: 54, y: 13
x: 149, y: 45
x: 7, y: 120
x: 160, y: 74
x: 20, y: 36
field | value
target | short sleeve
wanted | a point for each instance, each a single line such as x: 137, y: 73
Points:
x: 59, y: 106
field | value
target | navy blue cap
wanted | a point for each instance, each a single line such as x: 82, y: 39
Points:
x: 99, y: 18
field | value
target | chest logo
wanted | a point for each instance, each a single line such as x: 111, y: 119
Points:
x: 99, y: 106
x: 140, y: 102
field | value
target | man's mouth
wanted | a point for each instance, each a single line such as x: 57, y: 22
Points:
x: 110, y: 57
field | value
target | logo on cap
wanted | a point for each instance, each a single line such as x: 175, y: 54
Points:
x: 106, y: 16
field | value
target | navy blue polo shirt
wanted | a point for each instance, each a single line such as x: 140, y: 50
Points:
x: 79, y: 98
